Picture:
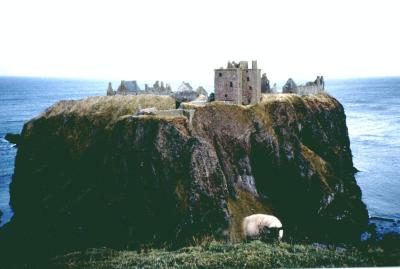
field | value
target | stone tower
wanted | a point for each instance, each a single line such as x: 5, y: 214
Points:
x: 238, y: 84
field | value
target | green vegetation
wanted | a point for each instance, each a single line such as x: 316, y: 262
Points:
x: 222, y: 255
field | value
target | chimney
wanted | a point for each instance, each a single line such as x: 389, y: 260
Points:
x: 254, y: 64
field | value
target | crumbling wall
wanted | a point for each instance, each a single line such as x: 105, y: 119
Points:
x: 312, y: 87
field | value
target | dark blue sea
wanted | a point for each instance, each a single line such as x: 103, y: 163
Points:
x: 372, y: 106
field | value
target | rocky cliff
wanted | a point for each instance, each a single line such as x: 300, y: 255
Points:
x: 89, y: 174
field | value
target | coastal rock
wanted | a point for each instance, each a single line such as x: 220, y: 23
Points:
x: 13, y: 138
x: 88, y: 174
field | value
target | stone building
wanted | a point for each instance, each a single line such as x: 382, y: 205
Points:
x: 185, y: 93
x: 238, y: 84
x: 158, y: 89
x: 132, y: 88
x: 185, y: 86
x: 311, y: 87
x: 128, y: 88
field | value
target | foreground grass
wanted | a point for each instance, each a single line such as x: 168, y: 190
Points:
x: 216, y: 255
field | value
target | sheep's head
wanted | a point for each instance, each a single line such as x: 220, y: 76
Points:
x: 271, y: 234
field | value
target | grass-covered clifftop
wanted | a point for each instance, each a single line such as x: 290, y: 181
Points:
x: 88, y: 174
x: 255, y: 254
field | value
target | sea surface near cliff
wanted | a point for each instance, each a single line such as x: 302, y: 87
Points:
x: 372, y: 107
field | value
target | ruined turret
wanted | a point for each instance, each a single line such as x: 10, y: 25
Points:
x: 110, y: 91
x: 290, y: 86
x: 265, y: 87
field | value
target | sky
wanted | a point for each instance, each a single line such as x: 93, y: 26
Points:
x: 186, y: 40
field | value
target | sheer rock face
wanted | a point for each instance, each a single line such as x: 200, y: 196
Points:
x: 84, y: 180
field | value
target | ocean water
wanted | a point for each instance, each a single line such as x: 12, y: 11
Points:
x: 372, y: 108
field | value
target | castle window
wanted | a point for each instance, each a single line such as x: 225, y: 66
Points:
x: 250, y: 88
x: 231, y: 84
x: 220, y: 74
x: 248, y: 79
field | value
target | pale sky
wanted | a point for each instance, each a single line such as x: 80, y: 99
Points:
x: 186, y: 40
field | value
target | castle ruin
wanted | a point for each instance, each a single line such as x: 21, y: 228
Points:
x: 132, y: 88
x: 238, y: 84
x: 311, y: 87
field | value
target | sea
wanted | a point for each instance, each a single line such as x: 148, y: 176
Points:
x: 372, y: 107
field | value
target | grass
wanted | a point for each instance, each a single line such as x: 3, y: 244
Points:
x: 109, y: 108
x: 255, y: 254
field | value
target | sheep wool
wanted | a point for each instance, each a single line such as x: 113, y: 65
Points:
x: 254, y: 225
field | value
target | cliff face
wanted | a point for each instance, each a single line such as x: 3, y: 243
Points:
x: 87, y: 174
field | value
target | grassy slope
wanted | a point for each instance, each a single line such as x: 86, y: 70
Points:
x: 217, y: 255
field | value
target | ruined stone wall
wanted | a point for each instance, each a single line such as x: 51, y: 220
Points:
x: 311, y: 87
x: 228, y: 85
x: 304, y: 90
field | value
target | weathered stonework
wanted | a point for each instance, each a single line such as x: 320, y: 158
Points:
x: 265, y: 86
x: 238, y: 84
x: 312, y: 87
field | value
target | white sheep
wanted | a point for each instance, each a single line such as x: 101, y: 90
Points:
x: 262, y: 226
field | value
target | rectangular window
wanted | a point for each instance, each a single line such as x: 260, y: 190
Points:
x: 231, y: 84
x: 248, y: 79
x: 220, y: 74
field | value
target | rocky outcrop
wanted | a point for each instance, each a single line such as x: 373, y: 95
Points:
x: 13, y: 138
x: 89, y: 174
